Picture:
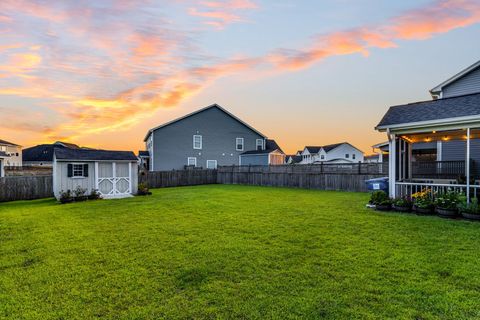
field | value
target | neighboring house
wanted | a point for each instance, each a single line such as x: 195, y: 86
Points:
x: 293, y: 158
x: 334, y: 153
x: 42, y: 155
x: 144, y: 160
x: 113, y: 173
x: 206, y: 138
x: 14, y: 153
x: 446, y: 128
x: 271, y: 155
x: 3, y: 156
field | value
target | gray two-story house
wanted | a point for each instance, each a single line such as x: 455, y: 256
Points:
x: 206, y: 138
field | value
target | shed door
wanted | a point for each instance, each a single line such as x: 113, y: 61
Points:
x: 114, y: 179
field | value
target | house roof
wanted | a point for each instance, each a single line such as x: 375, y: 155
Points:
x: 93, y: 155
x: 143, y: 153
x: 328, y: 147
x: 313, y: 149
x: 295, y: 158
x: 44, y: 152
x: 199, y: 111
x: 432, y: 110
x: 270, y: 146
x: 435, y: 91
x: 8, y: 143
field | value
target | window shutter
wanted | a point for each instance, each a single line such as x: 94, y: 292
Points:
x: 85, y: 170
x: 70, y: 170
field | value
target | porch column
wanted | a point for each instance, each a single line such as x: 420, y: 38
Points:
x: 409, y: 162
x: 467, y: 165
x: 392, y: 163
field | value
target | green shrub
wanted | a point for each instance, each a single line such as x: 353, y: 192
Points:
x: 402, y: 202
x: 448, y: 200
x: 379, y: 197
x: 470, y: 208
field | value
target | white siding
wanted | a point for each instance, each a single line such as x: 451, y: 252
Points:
x: 64, y: 183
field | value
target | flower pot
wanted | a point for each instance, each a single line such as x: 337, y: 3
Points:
x: 402, y: 208
x: 383, y: 207
x: 470, y: 216
x: 423, y: 211
x: 447, y: 213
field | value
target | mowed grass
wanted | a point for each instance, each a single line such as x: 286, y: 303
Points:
x: 234, y: 252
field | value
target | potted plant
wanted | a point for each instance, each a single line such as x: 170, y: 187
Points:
x: 403, y: 204
x: 423, y: 202
x: 143, y: 190
x: 80, y: 194
x: 381, y: 201
x: 446, y: 204
x: 65, y: 197
x: 94, y: 195
x: 470, y: 210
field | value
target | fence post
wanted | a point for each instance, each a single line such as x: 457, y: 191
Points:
x: 359, y: 167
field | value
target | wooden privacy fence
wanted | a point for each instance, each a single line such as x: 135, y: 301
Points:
x: 25, y: 188
x: 177, y: 178
x: 291, y: 176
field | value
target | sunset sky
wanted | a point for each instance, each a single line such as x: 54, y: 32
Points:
x: 304, y: 72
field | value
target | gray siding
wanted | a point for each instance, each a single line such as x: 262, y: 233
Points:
x: 255, y: 160
x: 456, y: 151
x: 470, y: 83
x: 173, y: 144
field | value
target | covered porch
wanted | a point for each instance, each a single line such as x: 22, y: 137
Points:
x: 408, y: 177
x: 452, y: 123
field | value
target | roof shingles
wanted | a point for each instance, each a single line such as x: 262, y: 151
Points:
x: 461, y: 106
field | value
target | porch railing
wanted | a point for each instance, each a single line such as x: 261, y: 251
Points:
x: 439, y: 169
x: 403, y: 189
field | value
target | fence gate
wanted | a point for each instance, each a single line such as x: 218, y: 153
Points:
x: 113, y: 179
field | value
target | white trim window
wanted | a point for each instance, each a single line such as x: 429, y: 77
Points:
x: 211, y: 164
x: 259, y: 144
x: 192, y: 161
x: 197, y: 142
x: 239, y: 144
x: 77, y: 170
x: 353, y: 156
x: 347, y: 155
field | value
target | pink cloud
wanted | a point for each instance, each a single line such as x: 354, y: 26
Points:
x: 221, y: 13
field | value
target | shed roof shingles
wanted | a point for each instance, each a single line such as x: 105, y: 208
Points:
x: 461, y: 106
x: 93, y: 155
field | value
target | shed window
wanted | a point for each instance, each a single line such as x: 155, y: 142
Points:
x: 239, y: 142
x: 197, y: 142
x: 77, y: 170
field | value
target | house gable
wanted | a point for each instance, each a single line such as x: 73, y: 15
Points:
x: 198, y: 112
x: 465, y: 82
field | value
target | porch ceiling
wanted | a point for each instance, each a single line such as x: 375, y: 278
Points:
x: 446, y: 135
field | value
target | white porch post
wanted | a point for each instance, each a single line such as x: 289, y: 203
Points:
x: 391, y: 163
x: 409, y: 151
x: 467, y: 165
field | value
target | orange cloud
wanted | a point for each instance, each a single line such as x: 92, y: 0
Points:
x: 440, y: 17
x: 221, y: 13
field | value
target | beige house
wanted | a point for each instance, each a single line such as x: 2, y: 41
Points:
x: 13, y: 152
x: 3, y: 156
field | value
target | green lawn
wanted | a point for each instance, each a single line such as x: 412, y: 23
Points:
x: 234, y: 252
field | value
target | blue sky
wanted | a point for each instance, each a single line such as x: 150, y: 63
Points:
x: 302, y: 72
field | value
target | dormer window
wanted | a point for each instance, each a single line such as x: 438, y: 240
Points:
x: 239, y: 143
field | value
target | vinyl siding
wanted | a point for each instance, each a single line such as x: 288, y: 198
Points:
x: 64, y: 183
x: 255, y: 160
x: 173, y: 144
x: 470, y: 83
x: 456, y: 151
